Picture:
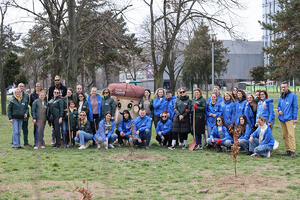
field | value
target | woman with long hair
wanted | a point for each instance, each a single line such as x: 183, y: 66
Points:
x: 146, y: 102
x: 82, y: 104
x: 234, y: 93
x: 240, y: 105
x: 84, y: 133
x: 228, y: 110
x: 108, y: 104
x: 159, y: 104
x: 213, y: 110
x: 265, y: 108
x: 66, y: 103
x: 245, y: 133
x: 94, y: 115
x: 125, y: 128
x: 250, y: 110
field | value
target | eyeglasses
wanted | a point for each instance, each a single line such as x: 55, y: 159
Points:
x: 56, y: 92
x: 219, y: 120
x: 164, y: 116
x: 80, y: 96
x: 57, y: 80
x: 182, y: 92
x: 105, y: 92
x: 82, y: 115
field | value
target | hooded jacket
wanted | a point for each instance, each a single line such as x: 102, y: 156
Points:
x: 141, y: 124
x: 215, y: 134
x: 56, y: 108
x: 183, y: 104
x: 239, y: 109
x: 85, y: 127
x: 159, y: 106
x: 288, y: 104
x: 99, y: 100
x: 108, y: 105
x: 36, y: 109
x: 17, y: 109
x: 268, y: 137
x: 250, y: 115
x: 228, y: 112
x: 201, y: 107
x: 267, y: 112
x: 101, y: 130
x: 170, y: 106
x: 164, y: 127
x: 214, y: 109
x: 247, y: 133
x: 125, y: 126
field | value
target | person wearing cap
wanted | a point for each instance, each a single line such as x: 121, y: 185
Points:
x: 164, y: 129
x: 108, y: 104
x: 125, y: 128
x: 146, y: 103
x: 159, y: 105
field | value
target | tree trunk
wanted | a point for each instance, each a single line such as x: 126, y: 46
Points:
x: 73, y: 45
x: 206, y: 89
x: 2, y: 82
x: 158, y: 80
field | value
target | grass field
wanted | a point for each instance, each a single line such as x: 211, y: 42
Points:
x: 154, y: 174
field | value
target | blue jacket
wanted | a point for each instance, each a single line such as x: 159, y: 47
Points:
x: 159, y: 106
x: 99, y: 100
x: 141, y: 124
x: 268, y: 137
x: 250, y: 115
x: 216, y: 109
x: 215, y: 134
x: 164, y: 127
x: 170, y: 106
x: 228, y: 112
x: 239, y: 110
x: 219, y: 99
x: 289, y: 107
x: 267, y: 112
x: 247, y: 133
x: 124, y: 126
x: 101, y: 130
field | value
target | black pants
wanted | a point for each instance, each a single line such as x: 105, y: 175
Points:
x: 121, y: 138
x: 182, y: 136
x: 95, y: 123
x: 56, y: 130
x: 156, y: 119
x: 168, y: 139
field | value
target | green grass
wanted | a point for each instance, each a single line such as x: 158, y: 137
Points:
x: 179, y: 174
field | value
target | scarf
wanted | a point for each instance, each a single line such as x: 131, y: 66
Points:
x: 262, y: 132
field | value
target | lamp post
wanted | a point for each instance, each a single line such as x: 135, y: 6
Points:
x: 212, y: 60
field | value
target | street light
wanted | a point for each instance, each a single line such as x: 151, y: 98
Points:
x: 212, y: 60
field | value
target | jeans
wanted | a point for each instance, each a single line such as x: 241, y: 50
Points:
x: 35, y: 133
x: 244, y: 143
x: 227, y: 143
x: 259, y: 149
x: 198, y: 139
x: 83, y: 137
x: 209, y: 130
x: 25, y: 131
x: 145, y: 135
x: 210, y: 142
x: 112, y: 138
x: 17, y: 127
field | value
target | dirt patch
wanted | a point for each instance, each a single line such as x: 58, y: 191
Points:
x: 2, y: 154
x: 137, y: 157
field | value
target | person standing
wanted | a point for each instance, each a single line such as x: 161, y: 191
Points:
x: 94, y: 115
x: 213, y: 110
x: 159, y: 105
x: 57, y: 85
x: 288, y: 112
x: 199, y: 106
x: 181, y: 121
x: 66, y: 104
x: 39, y: 118
x: 79, y: 90
x: 265, y: 108
x: 251, y: 110
x: 82, y: 104
x: 108, y: 104
x: 25, y: 97
x: 216, y: 90
x: 240, y: 105
x: 55, y: 115
x: 146, y: 103
x: 228, y: 110
x: 170, y: 101
x: 17, y: 111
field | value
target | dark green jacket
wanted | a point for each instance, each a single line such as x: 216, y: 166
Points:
x: 108, y: 104
x: 16, y: 109
x: 64, y: 99
x: 85, y: 127
x: 201, y: 107
x: 73, y: 120
x: 85, y: 108
x: 36, y: 110
x: 56, y: 108
x: 182, y: 105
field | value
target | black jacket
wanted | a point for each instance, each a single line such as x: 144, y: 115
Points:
x: 61, y: 88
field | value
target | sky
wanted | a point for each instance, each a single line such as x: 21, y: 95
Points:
x: 245, y: 19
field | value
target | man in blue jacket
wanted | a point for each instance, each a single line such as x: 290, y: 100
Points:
x: 288, y: 111
x: 142, y: 129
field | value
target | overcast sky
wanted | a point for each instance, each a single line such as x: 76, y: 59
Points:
x: 246, y: 19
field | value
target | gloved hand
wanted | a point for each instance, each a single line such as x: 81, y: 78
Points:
x: 218, y: 142
x: 186, y: 110
x: 195, y: 106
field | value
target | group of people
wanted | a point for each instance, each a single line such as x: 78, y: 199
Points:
x: 77, y: 118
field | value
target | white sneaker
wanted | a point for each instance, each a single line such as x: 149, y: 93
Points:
x: 98, y: 146
x: 106, y: 147
x: 35, y: 147
x: 111, y: 146
x: 183, y: 147
x: 43, y: 147
x: 82, y: 147
x: 171, y: 148
x: 269, y: 154
x: 87, y: 144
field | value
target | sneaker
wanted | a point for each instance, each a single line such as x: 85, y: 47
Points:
x: 82, y: 147
x: 198, y: 147
x: 35, y: 147
x: 161, y: 144
x: 183, y: 147
x: 287, y: 153
x: 171, y: 148
x: 43, y: 147
x: 292, y: 154
x: 111, y: 146
x: 98, y: 146
x: 147, y: 148
x: 106, y: 147
x: 121, y: 145
x: 254, y: 155
x: 269, y: 154
x: 87, y: 144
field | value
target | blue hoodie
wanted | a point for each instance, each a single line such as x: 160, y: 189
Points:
x: 101, y: 130
x: 250, y: 115
x: 289, y: 106
x: 268, y: 137
x: 267, y: 112
x: 141, y: 124
x: 239, y: 109
x: 216, y: 109
x: 159, y: 106
x: 228, y: 112
x: 247, y: 133
x: 124, y: 126
x: 170, y: 106
x: 215, y: 134
x: 164, y: 127
x: 99, y: 100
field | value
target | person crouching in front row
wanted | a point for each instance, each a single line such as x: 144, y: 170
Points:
x: 125, y: 128
x: 219, y: 135
x: 142, y: 129
x: 105, y: 134
x: 164, y: 129
x: 261, y: 141
x: 84, y: 133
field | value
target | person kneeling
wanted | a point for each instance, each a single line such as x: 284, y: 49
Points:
x: 219, y: 135
x: 125, y: 128
x: 163, y: 130
x: 261, y: 141
x: 142, y: 129
x: 105, y: 134
x: 84, y: 133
